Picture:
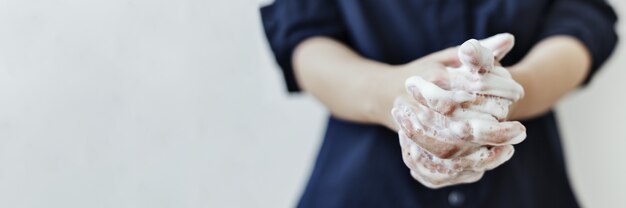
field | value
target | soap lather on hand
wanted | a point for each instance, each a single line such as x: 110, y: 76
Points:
x: 454, y: 129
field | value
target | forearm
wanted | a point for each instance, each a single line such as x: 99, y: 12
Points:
x: 351, y: 87
x: 356, y: 89
x: 551, y: 69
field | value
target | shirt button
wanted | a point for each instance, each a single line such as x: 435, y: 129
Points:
x: 456, y: 198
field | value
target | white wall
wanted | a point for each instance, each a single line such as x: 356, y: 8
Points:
x: 153, y: 103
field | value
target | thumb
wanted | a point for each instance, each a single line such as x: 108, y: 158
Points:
x: 500, y: 44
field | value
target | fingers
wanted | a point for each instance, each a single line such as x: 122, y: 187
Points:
x: 486, y: 130
x: 443, y: 181
x: 415, y: 156
x: 487, y: 84
x: 490, y: 105
x: 452, y: 134
x: 439, y: 141
x: 417, y: 117
x: 496, y: 81
x: 506, y: 88
x: 446, y: 137
x: 434, y: 172
x: 492, y: 99
x: 496, y: 156
x: 485, y: 158
x: 438, y: 99
x: 500, y: 44
x: 501, y: 71
x: 476, y: 57
x: 492, y: 132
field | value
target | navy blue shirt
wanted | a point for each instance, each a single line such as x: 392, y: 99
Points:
x: 361, y: 165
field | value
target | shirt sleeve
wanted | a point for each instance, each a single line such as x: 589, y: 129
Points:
x: 289, y: 22
x: 590, y: 21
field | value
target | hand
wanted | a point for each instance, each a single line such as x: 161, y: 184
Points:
x: 478, y: 79
x: 431, y: 67
x: 452, y: 133
x: 436, y: 173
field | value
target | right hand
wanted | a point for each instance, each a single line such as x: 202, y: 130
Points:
x: 450, y: 131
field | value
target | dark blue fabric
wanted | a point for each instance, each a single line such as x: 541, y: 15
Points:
x: 361, y: 165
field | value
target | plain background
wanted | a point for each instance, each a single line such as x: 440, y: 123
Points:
x: 154, y: 103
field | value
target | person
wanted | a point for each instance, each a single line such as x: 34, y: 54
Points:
x: 355, y: 56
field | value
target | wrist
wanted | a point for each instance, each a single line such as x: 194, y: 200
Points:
x: 386, y: 85
x: 520, y: 74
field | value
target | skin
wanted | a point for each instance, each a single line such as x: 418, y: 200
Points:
x: 436, y: 173
x: 456, y: 131
x: 463, y: 107
x: 360, y: 90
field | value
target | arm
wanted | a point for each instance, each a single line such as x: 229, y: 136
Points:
x: 354, y: 88
x: 581, y: 37
x: 361, y: 90
x: 554, y: 67
x: 348, y: 85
